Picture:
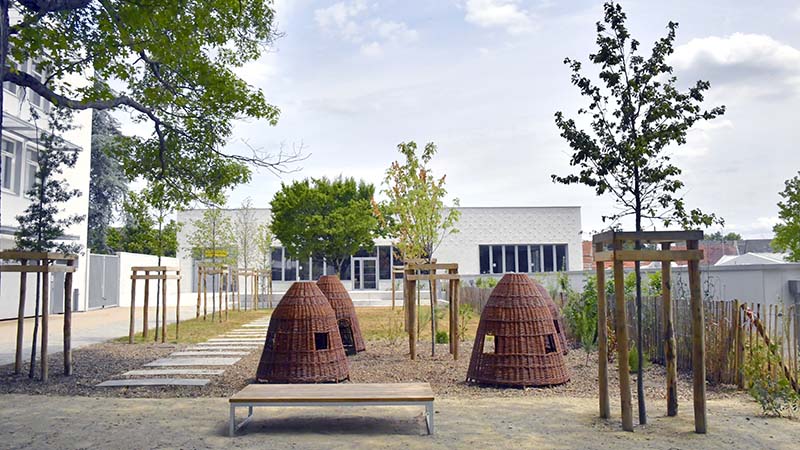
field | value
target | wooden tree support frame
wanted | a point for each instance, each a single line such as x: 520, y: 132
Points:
x: 43, y: 263
x: 395, y: 271
x: 162, y: 274
x: 611, y: 246
x: 413, y: 272
x: 224, y: 274
x: 264, y: 274
x: 252, y: 285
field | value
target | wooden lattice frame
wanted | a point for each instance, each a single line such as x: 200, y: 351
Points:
x: 45, y: 268
x: 412, y: 274
x: 610, y: 246
x: 162, y: 273
x: 203, y: 270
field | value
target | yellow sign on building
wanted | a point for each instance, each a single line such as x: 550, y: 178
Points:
x: 218, y: 253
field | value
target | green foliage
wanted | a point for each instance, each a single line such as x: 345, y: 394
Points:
x: 787, y: 232
x: 775, y: 395
x: 580, y: 314
x: 324, y: 218
x: 654, y: 283
x: 636, y: 113
x: 263, y: 241
x: 246, y: 230
x: 486, y: 282
x: 718, y: 236
x: 140, y: 232
x: 393, y: 328
x: 633, y: 361
x: 107, y: 182
x: 212, y: 235
x: 172, y: 64
x: 442, y: 337
x: 465, y: 314
x: 42, y: 226
x: 416, y: 203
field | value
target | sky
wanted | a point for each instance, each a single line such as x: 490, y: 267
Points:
x: 483, y: 79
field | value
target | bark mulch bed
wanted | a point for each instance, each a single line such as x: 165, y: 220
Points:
x: 383, y: 361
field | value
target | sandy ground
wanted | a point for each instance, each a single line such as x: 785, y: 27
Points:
x: 85, y: 422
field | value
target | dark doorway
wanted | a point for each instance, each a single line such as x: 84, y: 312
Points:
x: 346, y: 331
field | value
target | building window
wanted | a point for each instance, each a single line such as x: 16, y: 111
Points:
x: 289, y: 269
x: 529, y: 258
x: 385, y: 262
x: 31, y: 168
x: 11, y: 151
x: 277, y: 264
x: 303, y: 270
x: 344, y: 271
x: 12, y: 88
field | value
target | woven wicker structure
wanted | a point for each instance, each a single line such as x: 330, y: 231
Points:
x: 526, y: 350
x: 342, y: 304
x: 303, y: 343
x: 558, y: 320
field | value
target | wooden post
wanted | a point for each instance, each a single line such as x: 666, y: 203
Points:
x: 410, y: 294
x: 177, y: 304
x: 452, y: 316
x: 163, y: 306
x: 68, y: 320
x: 23, y: 278
x: 740, y: 346
x: 199, y: 280
x: 698, y: 344
x: 132, y: 328
x: 219, y: 301
x: 245, y: 289
x: 622, y: 344
x: 45, y: 314
x: 456, y: 306
x: 602, y: 338
x: 227, y: 288
x: 146, y: 304
x: 205, y: 296
x: 393, y: 288
x: 670, y: 344
x: 432, y: 288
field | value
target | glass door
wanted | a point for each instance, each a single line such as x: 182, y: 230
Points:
x: 365, y: 273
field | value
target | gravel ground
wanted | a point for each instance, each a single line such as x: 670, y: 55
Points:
x: 382, y: 362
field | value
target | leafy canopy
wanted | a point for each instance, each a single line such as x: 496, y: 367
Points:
x: 636, y: 113
x: 170, y: 63
x: 246, y: 228
x: 324, y: 218
x: 139, y: 233
x: 420, y: 219
x: 787, y: 232
x: 107, y: 182
x: 212, y: 237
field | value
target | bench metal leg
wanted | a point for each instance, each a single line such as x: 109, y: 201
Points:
x: 232, y: 422
x: 429, y: 417
x: 233, y: 427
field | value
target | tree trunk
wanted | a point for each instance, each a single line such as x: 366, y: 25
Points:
x: 35, y: 323
x: 638, y: 271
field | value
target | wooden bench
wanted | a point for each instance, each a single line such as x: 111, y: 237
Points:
x: 347, y: 394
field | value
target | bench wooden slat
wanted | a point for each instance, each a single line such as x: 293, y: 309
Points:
x: 332, y: 393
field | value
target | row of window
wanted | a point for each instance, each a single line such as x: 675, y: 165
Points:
x: 19, y: 173
x: 33, y: 98
x: 528, y: 258
x: 286, y: 269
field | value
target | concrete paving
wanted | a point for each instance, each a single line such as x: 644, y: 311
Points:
x: 202, y: 353
x: 223, y: 348
x: 200, y: 362
x: 155, y: 372
x: 88, y: 328
x: 155, y: 382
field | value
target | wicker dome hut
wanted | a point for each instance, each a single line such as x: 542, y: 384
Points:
x: 346, y: 318
x: 558, y: 319
x: 303, y: 343
x: 525, y: 350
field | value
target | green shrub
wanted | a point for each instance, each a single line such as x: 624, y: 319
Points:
x: 633, y: 360
x: 486, y: 282
x: 580, y: 314
x: 442, y: 337
x: 775, y: 395
x: 465, y: 314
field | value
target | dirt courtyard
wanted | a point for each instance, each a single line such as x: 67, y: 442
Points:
x: 45, y: 422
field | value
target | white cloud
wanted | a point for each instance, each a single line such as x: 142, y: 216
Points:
x: 796, y: 14
x: 506, y: 14
x: 701, y: 137
x: 756, y: 63
x: 350, y: 21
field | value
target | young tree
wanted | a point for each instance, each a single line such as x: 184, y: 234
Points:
x: 263, y: 245
x: 323, y: 218
x: 42, y: 226
x: 107, y: 183
x: 212, y: 238
x: 636, y: 114
x: 787, y: 233
x: 245, y: 228
x: 421, y: 220
x: 169, y: 63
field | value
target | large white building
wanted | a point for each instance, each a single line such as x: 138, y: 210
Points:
x: 19, y: 161
x: 489, y: 241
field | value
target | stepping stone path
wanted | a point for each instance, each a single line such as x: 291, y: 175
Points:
x: 181, y: 368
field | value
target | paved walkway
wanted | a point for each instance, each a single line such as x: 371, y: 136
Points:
x: 210, y: 358
x: 88, y: 328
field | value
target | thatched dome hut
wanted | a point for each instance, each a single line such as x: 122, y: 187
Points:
x: 303, y: 343
x: 517, y: 343
x: 342, y: 305
x: 558, y: 320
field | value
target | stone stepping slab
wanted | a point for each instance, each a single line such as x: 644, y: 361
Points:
x: 217, y: 350
x: 208, y: 353
x: 154, y: 372
x: 155, y: 382
x: 251, y: 344
x: 243, y: 334
x: 168, y: 362
x: 255, y: 325
x: 253, y: 339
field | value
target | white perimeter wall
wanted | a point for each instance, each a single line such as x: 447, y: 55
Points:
x: 128, y: 260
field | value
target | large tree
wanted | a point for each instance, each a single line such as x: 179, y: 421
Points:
x: 787, y: 232
x: 419, y: 218
x: 324, y: 218
x: 171, y: 64
x: 107, y: 182
x: 636, y: 116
